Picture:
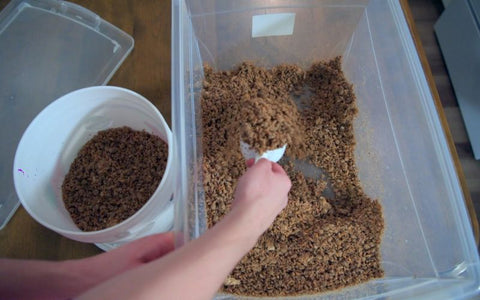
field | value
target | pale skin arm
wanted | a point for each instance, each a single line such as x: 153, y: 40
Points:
x: 34, y: 279
x: 194, y: 271
x: 197, y: 270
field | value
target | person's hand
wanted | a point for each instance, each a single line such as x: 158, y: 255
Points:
x: 261, y: 194
x: 197, y: 269
x: 126, y: 257
x: 35, y: 279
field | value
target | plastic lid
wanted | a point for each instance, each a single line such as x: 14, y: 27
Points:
x: 47, y: 49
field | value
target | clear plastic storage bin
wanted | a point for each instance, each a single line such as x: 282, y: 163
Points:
x: 428, y: 249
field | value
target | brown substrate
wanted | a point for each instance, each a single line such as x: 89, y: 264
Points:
x: 329, y: 235
x: 113, y: 176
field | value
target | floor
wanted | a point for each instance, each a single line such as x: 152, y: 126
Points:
x: 425, y: 14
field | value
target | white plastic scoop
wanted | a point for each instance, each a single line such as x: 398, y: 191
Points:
x: 273, y: 155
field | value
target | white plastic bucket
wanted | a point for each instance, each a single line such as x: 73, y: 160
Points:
x: 51, y: 143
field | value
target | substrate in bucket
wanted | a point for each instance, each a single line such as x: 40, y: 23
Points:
x: 51, y: 143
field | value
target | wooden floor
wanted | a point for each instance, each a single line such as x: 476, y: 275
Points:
x: 425, y: 14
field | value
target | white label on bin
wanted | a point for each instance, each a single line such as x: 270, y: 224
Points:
x: 273, y: 24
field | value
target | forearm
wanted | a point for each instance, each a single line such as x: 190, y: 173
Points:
x: 24, y: 279
x: 194, y: 271
x: 205, y: 263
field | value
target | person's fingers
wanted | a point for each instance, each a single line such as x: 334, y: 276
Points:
x: 250, y: 162
x: 106, y: 265
x: 140, y: 251
x: 262, y: 162
x: 276, y: 168
x: 156, y: 246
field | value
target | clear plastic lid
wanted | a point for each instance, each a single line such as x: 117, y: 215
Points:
x: 47, y: 49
